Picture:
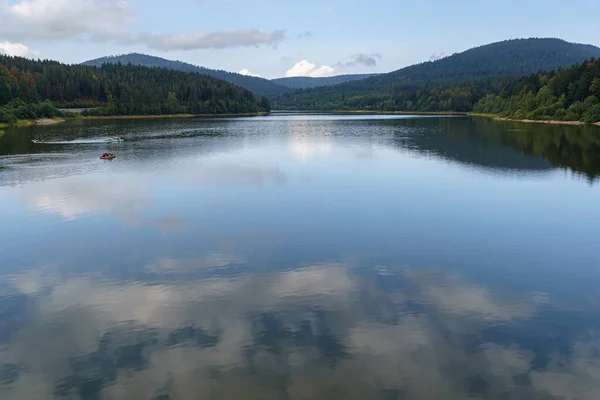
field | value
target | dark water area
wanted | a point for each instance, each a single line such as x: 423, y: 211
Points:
x: 300, y: 256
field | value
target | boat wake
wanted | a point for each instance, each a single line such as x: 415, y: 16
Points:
x: 76, y: 141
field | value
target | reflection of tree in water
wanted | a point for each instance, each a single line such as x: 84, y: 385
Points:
x: 575, y: 148
x: 459, y: 140
x: 564, y: 148
x: 491, y: 144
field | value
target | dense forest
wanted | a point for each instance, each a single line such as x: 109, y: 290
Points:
x: 455, y: 83
x: 304, y: 82
x: 572, y: 95
x: 566, y: 94
x: 30, y: 89
x: 259, y: 86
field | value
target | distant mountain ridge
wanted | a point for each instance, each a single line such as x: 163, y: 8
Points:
x: 515, y: 57
x: 304, y: 82
x: 506, y: 58
x: 31, y: 89
x: 509, y: 58
x: 259, y: 86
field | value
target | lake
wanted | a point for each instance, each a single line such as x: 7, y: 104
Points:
x: 300, y: 256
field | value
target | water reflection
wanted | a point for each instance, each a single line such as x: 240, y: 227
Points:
x: 262, y: 260
x: 572, y: 148
x: 486, y: 143
x: 324, y: 331
x: 74, y: 197
x: 478, y: 142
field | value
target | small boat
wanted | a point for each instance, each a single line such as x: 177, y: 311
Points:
x: 114, y: 140
x: 107, y: 156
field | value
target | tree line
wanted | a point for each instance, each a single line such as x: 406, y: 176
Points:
x: 259, y: 86
x: 564, y: 94
x: 34, y: 88
x: 571, y: 95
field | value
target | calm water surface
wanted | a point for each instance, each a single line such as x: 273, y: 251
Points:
x: 300, y: 257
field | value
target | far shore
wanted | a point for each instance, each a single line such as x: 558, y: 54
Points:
x: 532, y: 121
x: 47, y: 121
x: 393, y: 112
x: 160, y: 116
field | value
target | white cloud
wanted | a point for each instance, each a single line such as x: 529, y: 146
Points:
x: 58, y: 19
x: 197, y: 40
x: 14, y: 49
x: 368, y: 60
x: 306, y: 68
x: 103, y: 20
x: 248, y: 73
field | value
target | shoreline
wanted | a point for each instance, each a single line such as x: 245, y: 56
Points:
x: 166, y: 116
x: 533, y: 121
x: 47, y: 121
x: 398, y: 112
x: 375, y: 112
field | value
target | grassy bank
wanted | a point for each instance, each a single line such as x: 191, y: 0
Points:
x: 170, y: 116
x: 395, y: 112
x: 531, y: 121
x: 30, y: 122
x: 51, y: 121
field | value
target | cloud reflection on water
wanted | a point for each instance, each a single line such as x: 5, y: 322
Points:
x: 74, y: 197
x: 126, y: 196
x: 315, y: 332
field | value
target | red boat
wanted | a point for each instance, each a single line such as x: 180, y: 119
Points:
x: 107, y: 156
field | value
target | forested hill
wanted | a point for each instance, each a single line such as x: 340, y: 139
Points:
x: 502, y: 59
x: 118, y: 89
x: 506, y: 58
x: 303, y: 82
x: 259, y: 86
x: 571, y: 94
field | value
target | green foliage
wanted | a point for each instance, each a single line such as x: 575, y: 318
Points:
x: 17, y: 109
x: 305, y: 82
x: 460, y: 81
x: 259, y: 86
x: 569, y: 95
x: 120, y: 89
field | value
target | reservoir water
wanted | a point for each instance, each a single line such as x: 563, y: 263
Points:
x: 300, y: 256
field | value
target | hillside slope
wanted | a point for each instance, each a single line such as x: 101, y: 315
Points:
x: 259, y: 86
x: 304, y: 82
x: 116, y: 89
x: 502, y: 59
x: 572, y: 94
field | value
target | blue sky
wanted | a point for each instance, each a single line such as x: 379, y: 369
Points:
x: 274, y: 38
